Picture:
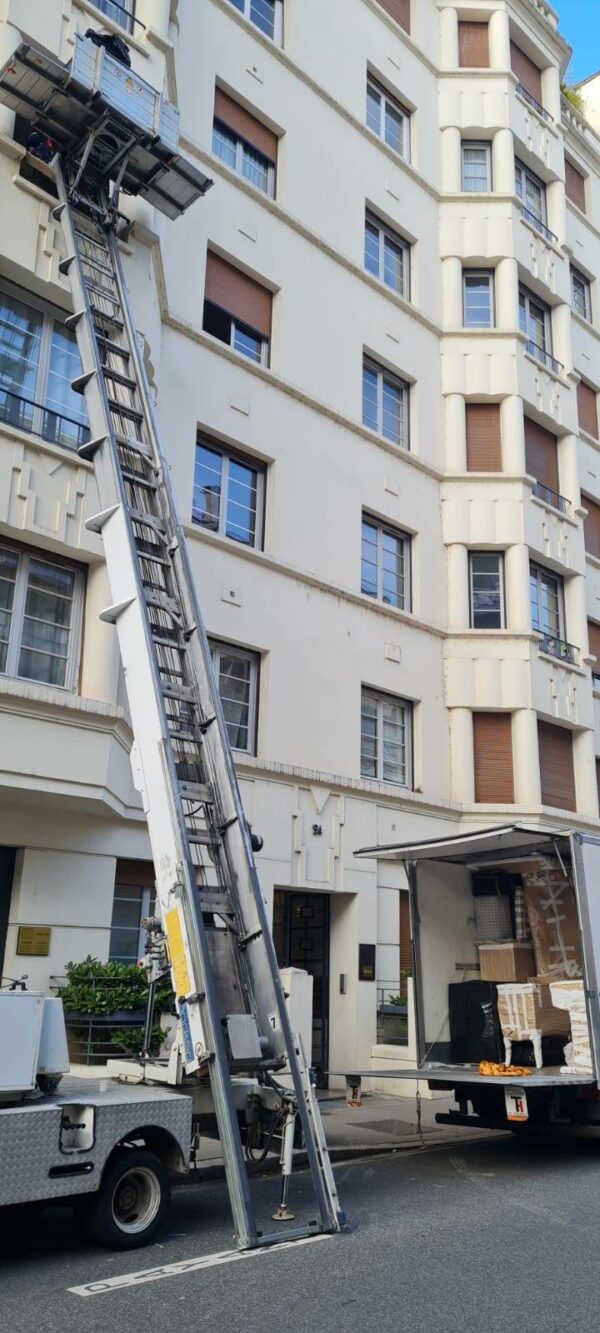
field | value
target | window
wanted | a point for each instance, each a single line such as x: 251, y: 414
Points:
x: 237, y: 310
x: 388, y: 120
x: 134, y: 899
x: 574, y: 185
x: 228, y: 493
x: 529, y: 78
x: 594, y: 647
x: 248, y: 147
x: 398, y: 10
x: 385, y: 404
x: 473, y: 46
x: 535, y: 323
x: 591, y: 527
x: 478, y: 302
x: 541, y: 462
x: 120, y: 11
x: 387, y: 256
x: 547, y: 612
x: 484, y: 439
x: 493, y: 758
x: 557, y: 775
x: 38, y: 361
x: 385, y: 738
x: 265, y: 14
x: 587, y: 409
x: 40, y: 615
x: 486, y: 577
x: 581, y: 300
x: 385, y: 563
x: 236, y: 671
x: 532, y: 193
x: 476, y: 167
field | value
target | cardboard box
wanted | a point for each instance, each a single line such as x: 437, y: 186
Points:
x: 512, y: 961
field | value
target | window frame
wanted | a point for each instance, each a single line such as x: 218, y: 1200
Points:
x: 404, y: 538
x: 479, y: 273
x: 578, y: 277
x: 147, y: 902
x: 396, y: 382
x: 50, y: 317
x: 528, y: 297
x: 380, y: 697
x: 218, y: 646
x: 387, y: 233
x: 541, y: 573
x: 120, y: 5
x: 377, y: 89
x: 25, y: 556
x: 229, y: 455
x: 530, y: 176
x: 243, y: 146
x: 244, y: 7
x: 237, y: 325
x: 479, y: 144
x: 499, y: 557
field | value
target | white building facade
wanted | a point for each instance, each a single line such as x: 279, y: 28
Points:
x: 375, y: 352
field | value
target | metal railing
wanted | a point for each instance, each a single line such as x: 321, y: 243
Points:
x: 540, y: 354
x: 537, y: 106
x: 550, y: 497
x: 25, y: 414
x: 564, y: 652
x: 536, y: 222
x: 392, y: 1013
x: 128, y: 20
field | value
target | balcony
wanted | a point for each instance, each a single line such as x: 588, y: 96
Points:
x: 550, y: 497
x: 533, y: 102
x: 534, y: 221
x: 545, y: 359
x: 558, y: 648
x: 35, y: 419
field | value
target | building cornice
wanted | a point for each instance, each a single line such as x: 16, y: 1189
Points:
x: 47, y: 703
x: 383, y: 792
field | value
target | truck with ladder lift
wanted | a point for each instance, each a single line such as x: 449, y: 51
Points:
x: 112, y: 1146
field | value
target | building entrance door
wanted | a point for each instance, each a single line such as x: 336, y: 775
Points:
x: 7, y: 867
x: 301, y: 938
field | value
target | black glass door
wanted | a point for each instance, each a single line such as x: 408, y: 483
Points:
x: 301, y: 938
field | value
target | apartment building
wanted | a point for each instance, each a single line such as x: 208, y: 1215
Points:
x: 374, y: 347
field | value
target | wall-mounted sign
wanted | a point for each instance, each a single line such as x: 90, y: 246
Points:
x: 366, y: 962
x: 33, y: 941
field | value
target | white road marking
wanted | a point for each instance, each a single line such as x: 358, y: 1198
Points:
x: 187, y: 1266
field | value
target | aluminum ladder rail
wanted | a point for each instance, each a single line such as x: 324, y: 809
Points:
x: 223, y: 965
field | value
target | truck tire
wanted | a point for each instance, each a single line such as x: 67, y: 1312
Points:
x: 132, y: 1202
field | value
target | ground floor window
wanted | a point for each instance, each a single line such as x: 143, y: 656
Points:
x: 133, y: 901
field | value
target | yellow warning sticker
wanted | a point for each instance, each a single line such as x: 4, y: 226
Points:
x: 183, y: 984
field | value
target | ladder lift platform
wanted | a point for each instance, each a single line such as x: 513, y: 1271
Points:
x: 111, y: 133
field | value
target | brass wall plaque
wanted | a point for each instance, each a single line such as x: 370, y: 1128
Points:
x: 33, y: 941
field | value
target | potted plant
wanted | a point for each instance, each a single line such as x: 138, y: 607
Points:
x: 105, y: 1008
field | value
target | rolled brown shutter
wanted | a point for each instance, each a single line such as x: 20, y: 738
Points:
x: 473, y: 47
x: 405, y: 940
x: 587, y: 409
x: 598, y: 778
x: 541, y: 454
x: 484, y: 444
x: 594, y: 644
x: 556, y: 766
x: 527, y: 73
x: 239, y: 295
x: 591, y: 526
x: 398, y: 10
x: 135, y: 873
x: 492, y: 749
x: 241, y: 122
x: 575, y: 185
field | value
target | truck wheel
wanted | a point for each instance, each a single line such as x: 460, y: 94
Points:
x: 132, y: 1202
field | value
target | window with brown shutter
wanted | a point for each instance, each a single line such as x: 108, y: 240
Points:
x: 598, y: 779
x: 237, y: 309
x: 527, y: 73
x: 591, y: 526
x: 556, y: 766
x: 541, y: 455
x: 594, y: 647
x: 575, y: 185
x: 405, y: 939
x: 243, y: 123
x: 473, y: 47
x: 587, y: 408
x: 492, y: 750
x: 484, y: 445
x: 398, y: 10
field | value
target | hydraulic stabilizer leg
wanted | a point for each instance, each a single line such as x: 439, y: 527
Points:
x: 282, y: 1213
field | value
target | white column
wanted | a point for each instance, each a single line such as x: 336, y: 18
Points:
x: 526, y: 764
x: 451, y: 160
x: 449, y: 38
x: 462, y: 764
x: 551, y: 92
x: 503, y: 162
x: 513, y: 435
x: 507, y: 293
x: 452, y: 293
x: 576, y: 613
x: 557, y: 209
x: 458, y: 587
x: 155, y: 14
x: 584, y: 764
x: 499, y: 40
x: 100, y: 659
x: 561, y: 335
x: 568, y: 470
x: 516, y: 574
x: 456, y: 433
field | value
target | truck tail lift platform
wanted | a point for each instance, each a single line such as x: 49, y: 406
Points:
x: 113, y: 133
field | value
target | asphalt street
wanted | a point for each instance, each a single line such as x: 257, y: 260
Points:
x: 496, y: 1235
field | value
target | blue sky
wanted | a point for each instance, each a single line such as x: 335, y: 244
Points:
x: 580, y: 24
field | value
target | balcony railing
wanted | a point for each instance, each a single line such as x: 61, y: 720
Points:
x: 540, y: 354
x: 550, y: 497
x: 564, y: 652
x: 536, y: 222
x: 123, y: 14
x: 32, y: 417
x: 537, y: 106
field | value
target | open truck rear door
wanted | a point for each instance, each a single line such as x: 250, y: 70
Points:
x: 586, y: 870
